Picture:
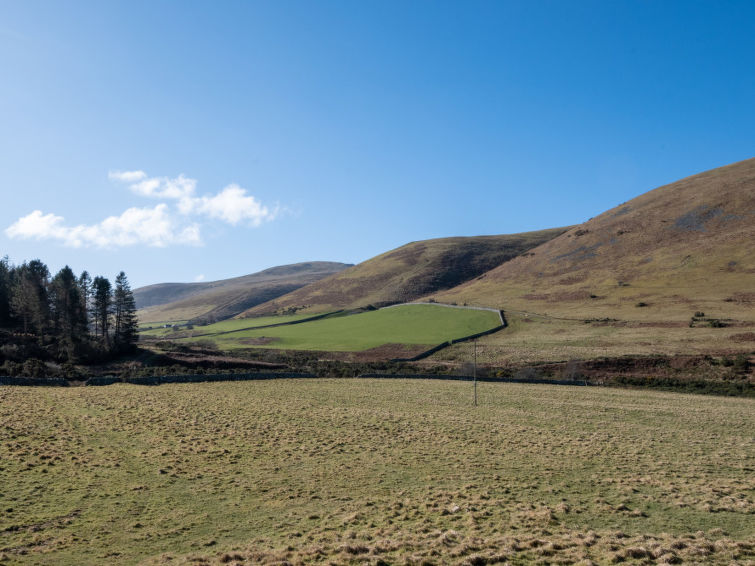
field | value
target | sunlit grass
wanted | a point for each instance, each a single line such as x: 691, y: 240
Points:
x: 411, y: 324
x: 533, y: 339
x: 398, y: 471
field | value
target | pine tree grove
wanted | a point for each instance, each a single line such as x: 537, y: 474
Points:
x: 65, y: 317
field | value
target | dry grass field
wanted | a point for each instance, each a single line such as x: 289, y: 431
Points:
x: 374, y: 472
x: 533, y: 339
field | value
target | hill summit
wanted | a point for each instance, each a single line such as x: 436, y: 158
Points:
x: 407, y: 273
x: 218, y: 300
x: 682, y: 248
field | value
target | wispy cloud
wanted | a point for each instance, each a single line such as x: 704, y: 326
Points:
x: 127, y: 176
x: 232, y: 205
x: 160, y: 226
x: 163, y: 187
x: 149, y: 226
x: 199, y: 278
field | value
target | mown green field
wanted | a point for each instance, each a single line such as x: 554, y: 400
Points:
x: 374, y: 472
x: 410, y: 324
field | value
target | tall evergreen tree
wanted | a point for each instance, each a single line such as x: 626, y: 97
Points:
x: 85, y: 292
x: 125, y: 333
x: 69, y: 317
x: 5, y: 292
x: 102, y: 303
x: 29, y: 296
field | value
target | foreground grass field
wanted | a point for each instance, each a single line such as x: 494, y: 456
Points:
x: 375, y: 472
x: 411, y: 324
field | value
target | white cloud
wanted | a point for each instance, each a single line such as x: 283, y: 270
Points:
x: 199, y: 278
x: 127, y: 176
x: 36, y: 224
x: 149, y: 226
x: 159, y: 226
x: 231, y: 205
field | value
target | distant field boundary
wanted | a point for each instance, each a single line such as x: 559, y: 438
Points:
x: 34, y: 381
x: 439, y: 347
x: 155, y: 380
x: 289, y: 323
x: 579, y: 382
x: 259, y: 376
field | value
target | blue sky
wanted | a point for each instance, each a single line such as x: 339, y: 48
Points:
x: 188, y: 140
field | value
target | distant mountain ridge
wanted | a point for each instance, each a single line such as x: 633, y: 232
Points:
x: 668, y: 254
x: 217, y: 300
x: 407, y: 273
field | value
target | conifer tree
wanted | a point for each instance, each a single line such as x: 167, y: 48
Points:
x: 29, y: 296
x: 85, y: 292
x: 69, y: 318
x: 5, y: 292
x: 124, y: 307
x: 102, y: 304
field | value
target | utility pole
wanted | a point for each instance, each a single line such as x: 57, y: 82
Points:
x: 474, y: 371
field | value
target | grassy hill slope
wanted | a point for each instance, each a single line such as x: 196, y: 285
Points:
x: 222, y: 299
x: 408, y: 272
x: 682, y: 248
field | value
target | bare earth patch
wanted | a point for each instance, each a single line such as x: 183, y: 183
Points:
x: 744, y: 337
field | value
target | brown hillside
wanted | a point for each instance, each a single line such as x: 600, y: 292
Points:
x: 408, y: 272
x: 679, y: 249
x: 217, y: 300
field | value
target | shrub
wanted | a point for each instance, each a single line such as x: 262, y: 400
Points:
x: 34, y: 368
x: 741, y: 364
x: 70, y: 371
x: 527, y: 373
x: 10, y: 368
x: 573, y: 371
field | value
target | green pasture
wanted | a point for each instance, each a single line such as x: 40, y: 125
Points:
x: 409, y: 324
x: 328, y: 471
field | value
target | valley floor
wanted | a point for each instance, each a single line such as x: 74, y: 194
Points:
x: 376, y: 472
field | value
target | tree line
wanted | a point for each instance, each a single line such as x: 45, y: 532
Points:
x: 70, y: 318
